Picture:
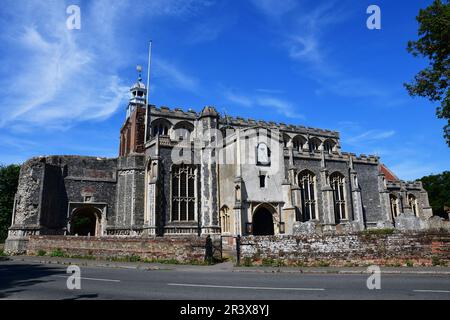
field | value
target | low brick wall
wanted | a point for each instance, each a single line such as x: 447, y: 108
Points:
x: 182, y: 249
x: 418, y: 249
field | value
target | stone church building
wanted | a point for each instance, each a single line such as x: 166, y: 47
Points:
x: 187, y: 173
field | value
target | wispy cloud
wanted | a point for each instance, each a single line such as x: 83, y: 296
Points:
x: 210, y: 28
x: 305, y: 34
x: 239, y: 99
x: 52, y: 76
x: 269, y: 91
x: 275, y: 8
x: 371, y: 135
x: 412, y: 170
x: 173, y: 75
x: 276, y: 104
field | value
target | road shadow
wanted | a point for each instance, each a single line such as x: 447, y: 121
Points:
x: 16, y: 278
x: 83, y: 297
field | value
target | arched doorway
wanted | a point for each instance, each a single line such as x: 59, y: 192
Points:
x: 263, y: 222
x: 84, y: 222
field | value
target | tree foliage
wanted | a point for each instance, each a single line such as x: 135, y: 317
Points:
x: 9, y: 179
x: 438, y: 188
x: 434, y: 44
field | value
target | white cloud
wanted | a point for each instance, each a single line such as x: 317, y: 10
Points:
x: 275, y: 8
x: 55, y: 77
x: 276, y: 104
x: 305, y: 48
x: 173, y: 75
x: 305, y: 34
x: 371, y: 135
x: 280, y: 106
x: 239, y: 99
x: 412, y: 170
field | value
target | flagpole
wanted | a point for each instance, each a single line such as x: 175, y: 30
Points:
x: 148, y: 92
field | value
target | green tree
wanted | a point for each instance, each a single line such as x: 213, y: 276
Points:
x: 9, y: 179
x: 438, y: 188
x: 434, y: 44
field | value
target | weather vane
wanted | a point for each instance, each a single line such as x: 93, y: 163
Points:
x: 139, y: 70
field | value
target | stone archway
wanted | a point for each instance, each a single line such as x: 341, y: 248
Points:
x: 85, y: 221
x: 263, y: 222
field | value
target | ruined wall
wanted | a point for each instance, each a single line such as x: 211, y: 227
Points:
x: 351, y: 249
x: 28, y: 196
x: 46, y: 187
x: 182, y: 249
x: 54, y: 199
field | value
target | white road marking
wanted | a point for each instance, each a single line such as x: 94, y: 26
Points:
x: 236, y: 287
x: 433, y: 291
x: 91, y: 279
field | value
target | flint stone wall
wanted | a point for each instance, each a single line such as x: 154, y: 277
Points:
x: 182, y: 249
x: 349, y: 250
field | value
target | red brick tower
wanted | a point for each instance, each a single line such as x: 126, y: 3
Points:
x: 133, y: 130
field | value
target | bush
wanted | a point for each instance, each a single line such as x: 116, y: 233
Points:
x: 436, y: 261
x: 57, y: 253
x: 267, y: 262
x: 324, y: 264
x: 247, y: 262
x: 41, y: 253
x: 9, y: 179
x: 134, y: 258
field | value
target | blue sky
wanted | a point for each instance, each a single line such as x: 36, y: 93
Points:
x: 312, y: 63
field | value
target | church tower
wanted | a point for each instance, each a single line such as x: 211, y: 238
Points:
x: 133, y: 130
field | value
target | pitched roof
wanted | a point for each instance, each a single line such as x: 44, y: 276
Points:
x: 390, y: 176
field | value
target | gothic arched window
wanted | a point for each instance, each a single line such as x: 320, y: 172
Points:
x: 394, y: 205
x: 413, y: 204
x: 314, y: 144
x: 184, y: 197
x: 328, y: 146
x: 161, y: 127
x: 306, y: 181
x: 298, y: 143
x: 337, y: 182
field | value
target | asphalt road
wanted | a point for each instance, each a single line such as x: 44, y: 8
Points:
x: 25, y: 280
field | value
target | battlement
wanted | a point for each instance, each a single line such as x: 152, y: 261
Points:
x: 164, y: 111
x: 192, y: 115
x: 404, y: 184
x: 337, y: 156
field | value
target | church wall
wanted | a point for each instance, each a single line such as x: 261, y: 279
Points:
x: 130, y: 196
x: 165, y: 180
x: 227, y: 175
x: 343, y: 168
x: 312, y: 165
x: 368, y: 182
